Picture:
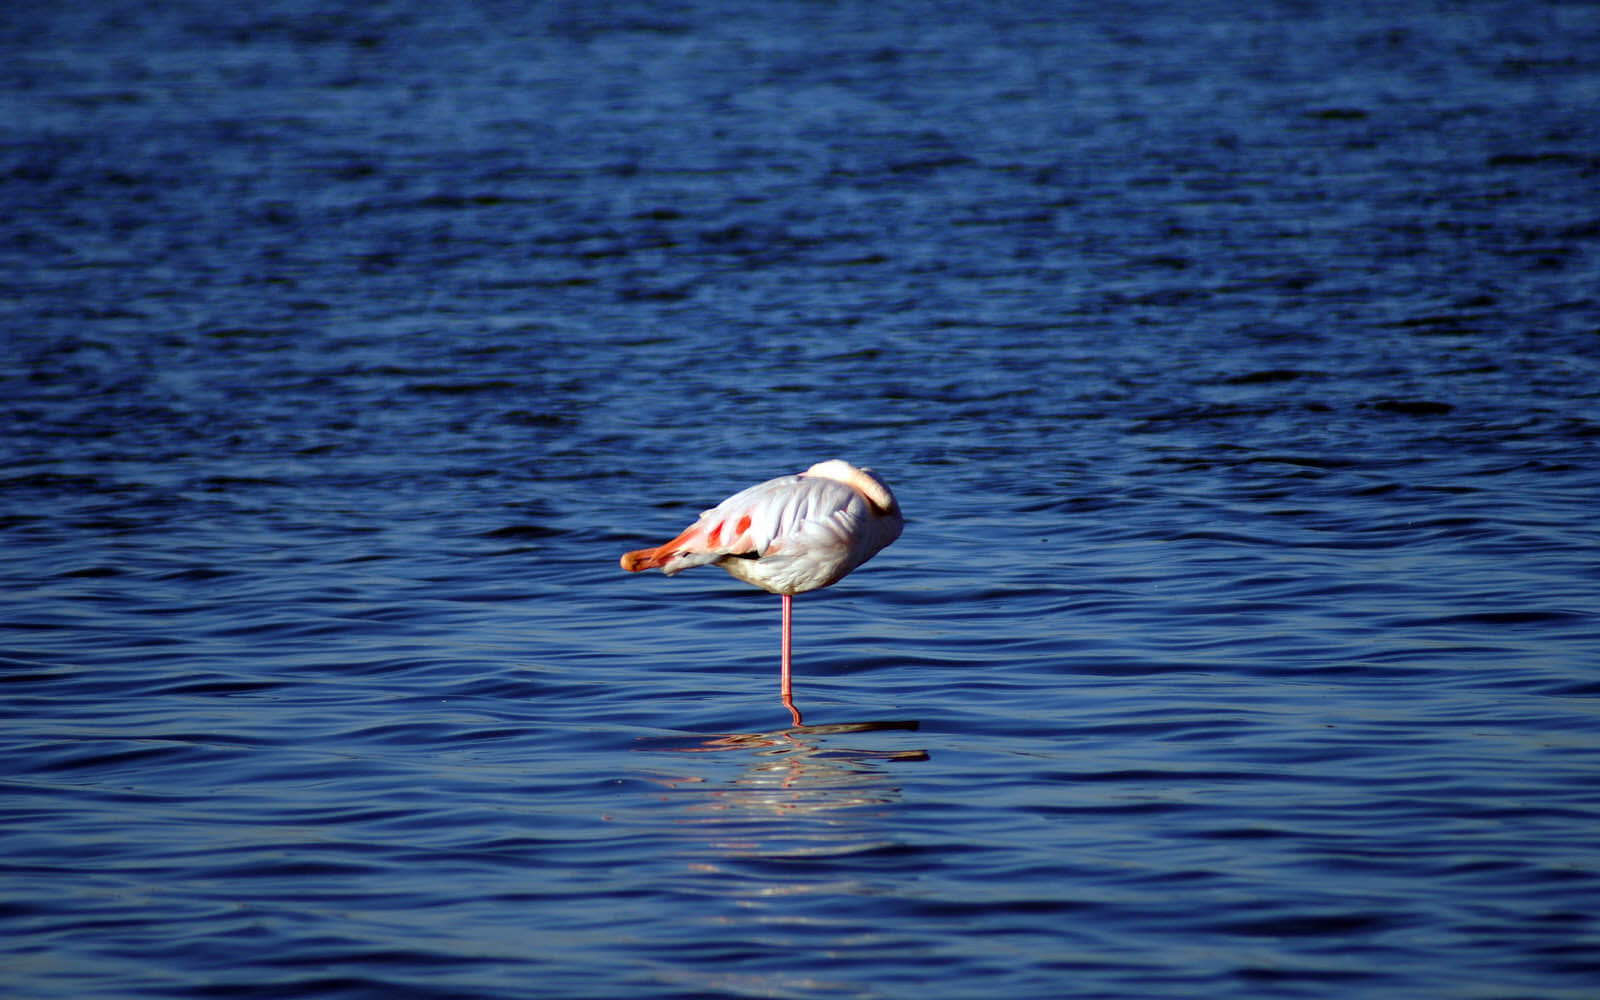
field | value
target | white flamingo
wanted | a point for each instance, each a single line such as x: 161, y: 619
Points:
x: 787, y: 535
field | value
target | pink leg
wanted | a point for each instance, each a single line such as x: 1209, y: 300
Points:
x: 784, y: 690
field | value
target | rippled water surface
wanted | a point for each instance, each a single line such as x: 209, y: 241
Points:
x: 1237, y: 367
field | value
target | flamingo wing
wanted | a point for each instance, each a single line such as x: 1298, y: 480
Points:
x: 740, y: 526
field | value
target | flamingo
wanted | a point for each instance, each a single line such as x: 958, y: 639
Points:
x: 787, y: 536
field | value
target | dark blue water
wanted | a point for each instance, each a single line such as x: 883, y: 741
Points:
x: 1237, y: 367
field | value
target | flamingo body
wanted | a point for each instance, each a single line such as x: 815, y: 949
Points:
x: 787, y: 535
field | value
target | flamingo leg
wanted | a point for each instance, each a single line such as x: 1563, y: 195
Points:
x: 784, y: 690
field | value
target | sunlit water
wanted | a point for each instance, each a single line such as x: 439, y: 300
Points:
x: 1238, y: 371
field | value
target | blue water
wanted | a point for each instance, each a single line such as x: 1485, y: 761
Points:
x: 1237, y: 367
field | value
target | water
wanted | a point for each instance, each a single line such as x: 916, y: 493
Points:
x: 1236, y: 369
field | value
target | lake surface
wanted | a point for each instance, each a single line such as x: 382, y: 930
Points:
x: 1237, y: 368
